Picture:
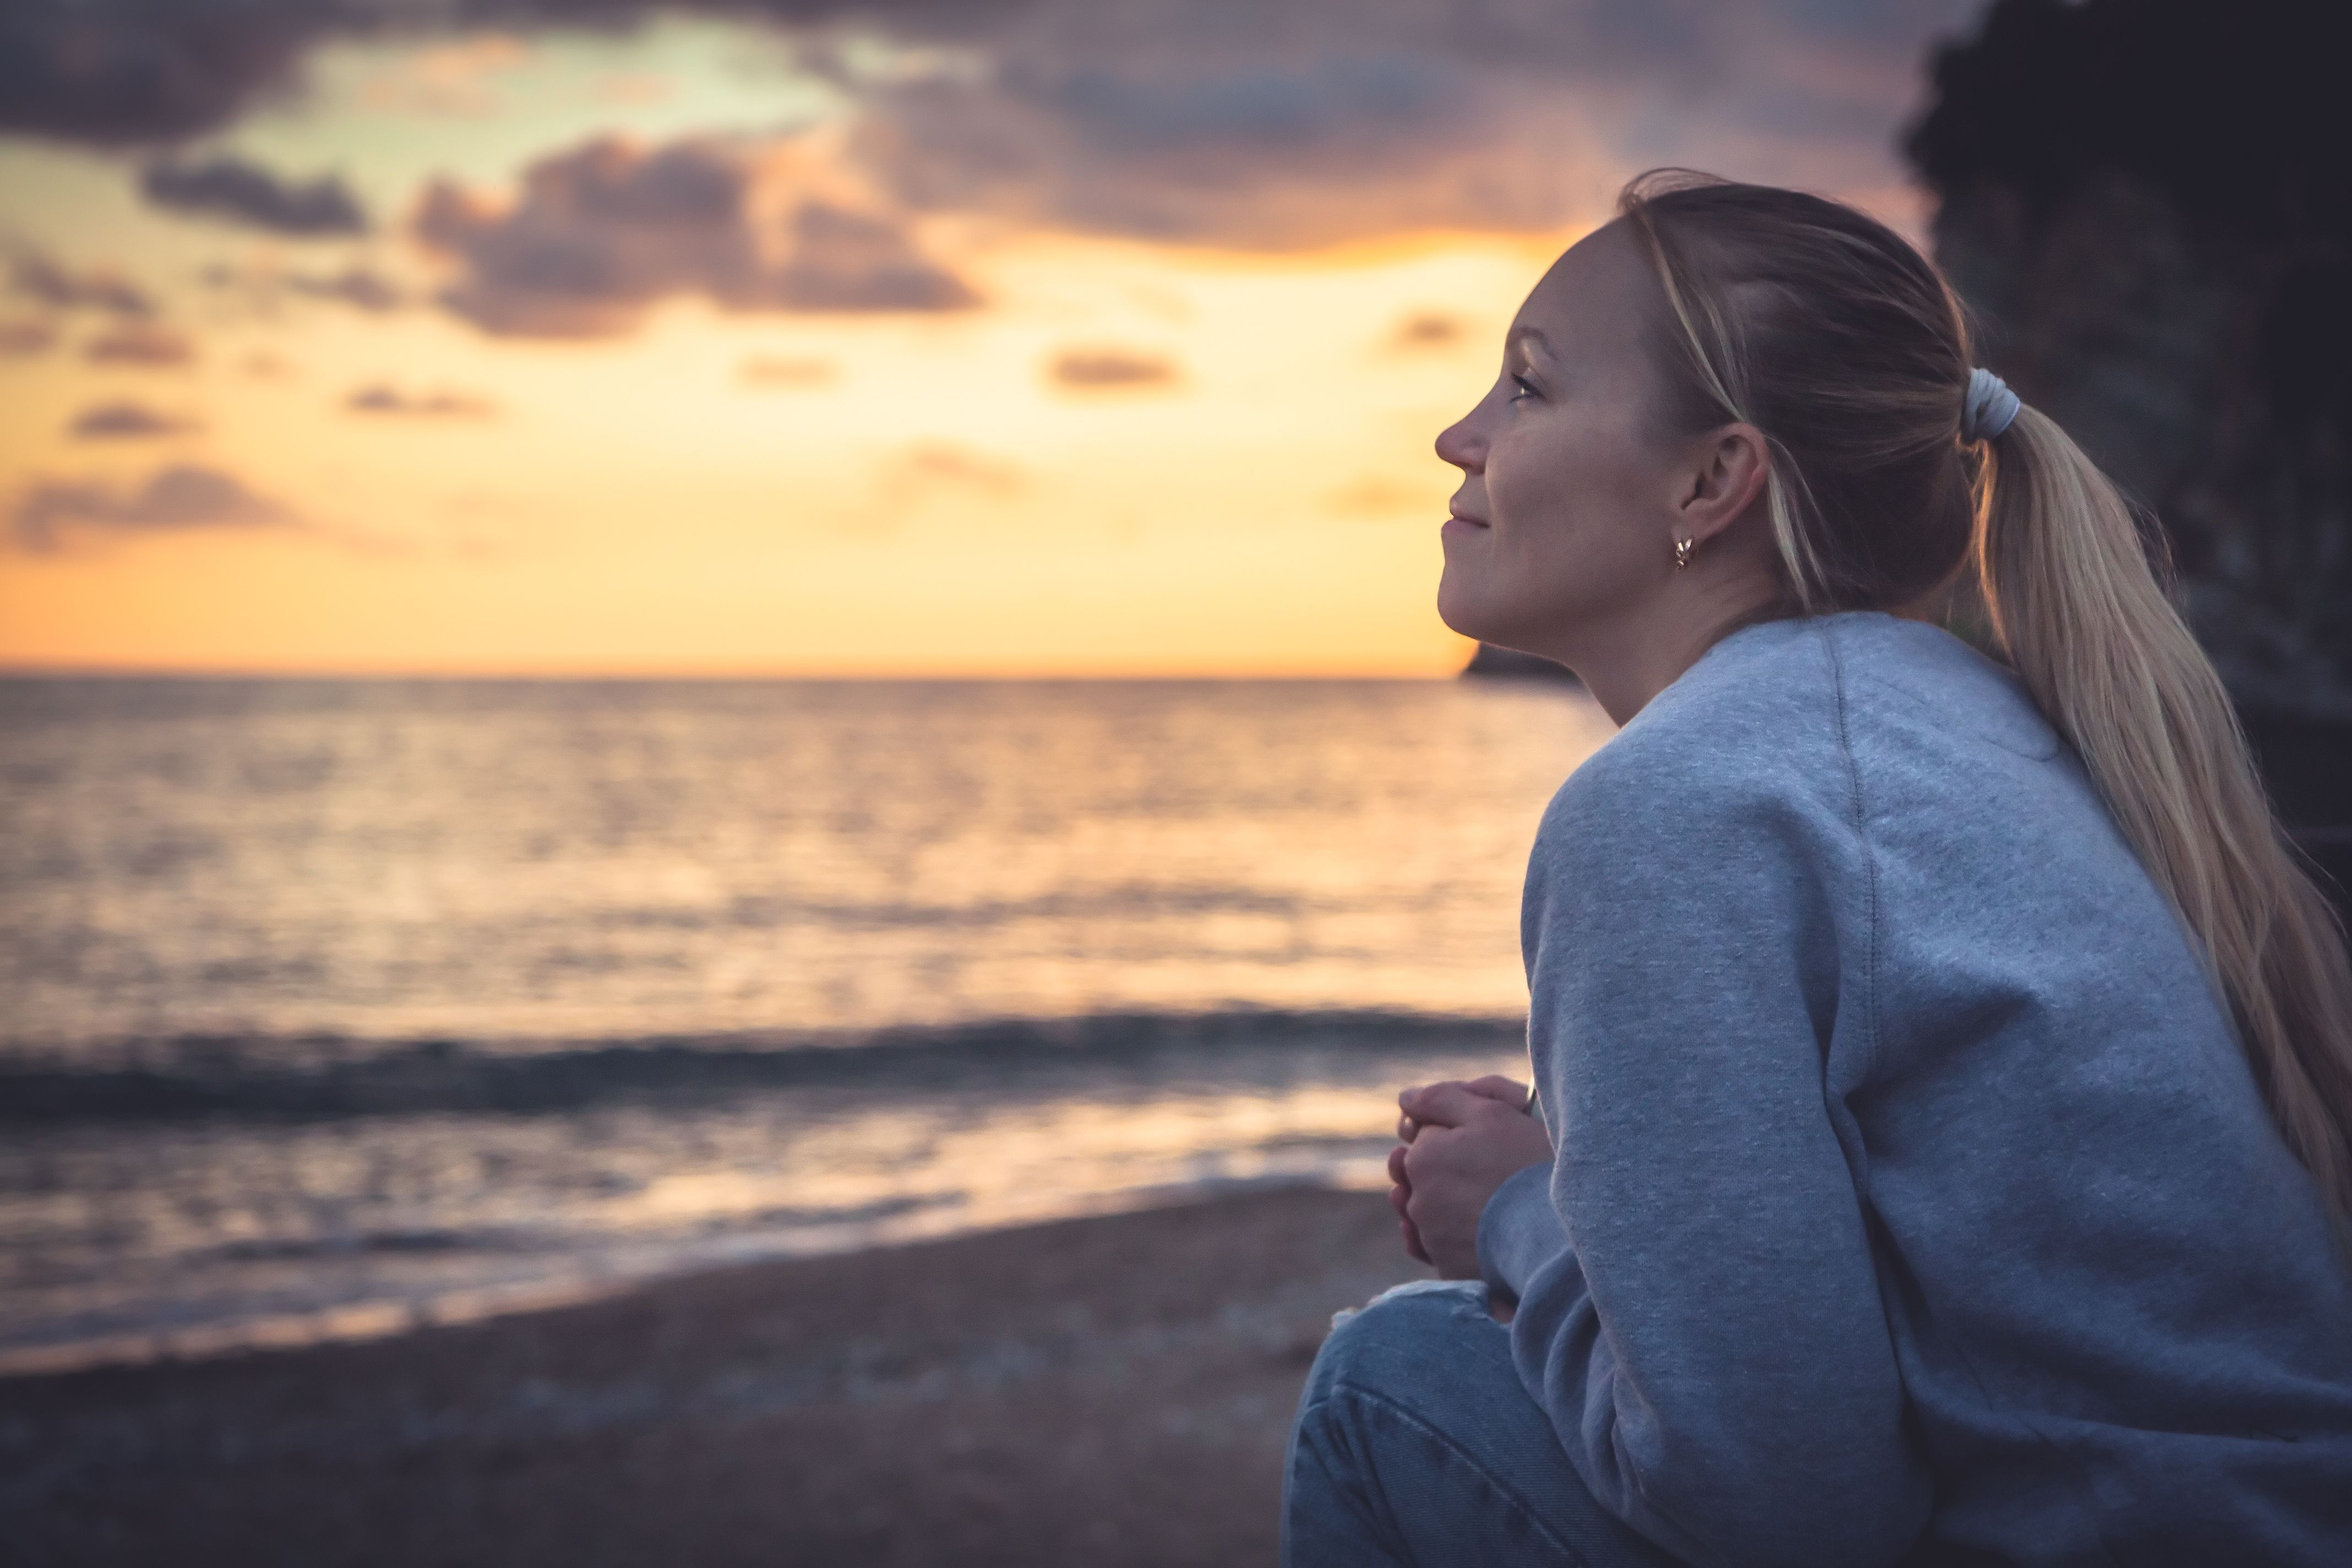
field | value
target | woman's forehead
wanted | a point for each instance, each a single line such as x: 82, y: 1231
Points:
x: 1598, y: 293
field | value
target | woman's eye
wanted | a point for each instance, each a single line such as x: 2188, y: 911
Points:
x: 1527, y: 388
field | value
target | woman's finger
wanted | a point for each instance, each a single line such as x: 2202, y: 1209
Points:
x: 1406, y: 1128
x: 1448, y: 1105
x: 1396, y: 1166
x: 1494, y: 1086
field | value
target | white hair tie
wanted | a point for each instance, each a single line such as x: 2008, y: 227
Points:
x: 1989, y: 407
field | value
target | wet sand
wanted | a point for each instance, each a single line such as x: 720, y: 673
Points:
x: 1106, y: 1391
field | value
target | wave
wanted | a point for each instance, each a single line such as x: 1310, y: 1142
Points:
x: 314, y: 1076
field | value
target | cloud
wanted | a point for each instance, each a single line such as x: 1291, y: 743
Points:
x: 1373, y: 495
x: 355, y: 286
x: 449, y: 80
x: 603, y: 231
x: 241, y: 191
x: 1253, y: 150
x: 943, y: 462
x: 927, y: 467
x: 1428, y: 329
x: 38, y: 276
x: 783, y: 371
x: 26, y: 336
x: 382, y: 397
x: 1111, y: 369
x: 129, y: 421
x: 1262, y: 123
x: 144, y: 70
x: 263, y: 288
x: 139, y: 344
x: 1293, y: 124
x: 181, y: 498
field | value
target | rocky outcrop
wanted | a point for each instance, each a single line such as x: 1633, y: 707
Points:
x: 2147, y: 203
x: 1492, y: 660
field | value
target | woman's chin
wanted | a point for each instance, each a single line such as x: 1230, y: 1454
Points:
x: 1462, y: 610
x: 1449, y: 610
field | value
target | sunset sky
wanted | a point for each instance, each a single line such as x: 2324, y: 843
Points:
x: 1066, y: 336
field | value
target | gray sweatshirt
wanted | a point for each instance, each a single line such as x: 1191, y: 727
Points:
x: 1914, y: 1201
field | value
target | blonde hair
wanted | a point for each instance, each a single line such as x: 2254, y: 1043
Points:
x: 1842, y: 343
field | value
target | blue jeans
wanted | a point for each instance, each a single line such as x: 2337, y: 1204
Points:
x: 1415, y: 1443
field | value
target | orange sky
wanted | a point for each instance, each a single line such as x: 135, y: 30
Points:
x: 884, y: 363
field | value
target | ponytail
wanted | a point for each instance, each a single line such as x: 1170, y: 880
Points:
x: 2082, y: 616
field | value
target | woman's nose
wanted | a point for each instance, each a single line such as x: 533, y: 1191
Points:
x: 1459, y: 446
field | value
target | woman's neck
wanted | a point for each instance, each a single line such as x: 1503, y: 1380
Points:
x: 1624, y: 667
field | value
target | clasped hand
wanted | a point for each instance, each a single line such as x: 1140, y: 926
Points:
x: 1458, y: 1142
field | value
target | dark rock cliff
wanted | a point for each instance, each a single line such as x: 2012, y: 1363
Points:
x: 2149, y: 203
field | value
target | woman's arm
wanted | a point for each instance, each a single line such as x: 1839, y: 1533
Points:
x: 1708, y: 1337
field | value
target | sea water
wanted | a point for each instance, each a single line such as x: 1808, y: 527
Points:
x: 332, y: 1007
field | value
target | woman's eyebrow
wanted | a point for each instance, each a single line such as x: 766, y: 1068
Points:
x: 1529, y: 335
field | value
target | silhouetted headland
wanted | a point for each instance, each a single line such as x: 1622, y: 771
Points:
x: 1490, y: 660
x: 2147, y: 203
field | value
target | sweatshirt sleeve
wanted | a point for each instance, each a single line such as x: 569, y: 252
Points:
x: 1520, y: 1231
x: 1705, y: 1332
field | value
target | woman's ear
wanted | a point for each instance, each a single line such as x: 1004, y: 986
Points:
x: 1727, y: 473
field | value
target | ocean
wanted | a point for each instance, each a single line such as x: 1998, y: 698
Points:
x: 335, y: 1007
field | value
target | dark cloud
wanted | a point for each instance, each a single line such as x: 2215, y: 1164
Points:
x: 141, y: 344
x: 1096, y: 369
x: 603, y: 231
x: 1259, y: 153
x: 1296, y: 123
x: 181, y: 498
x: 227, y: 186
x: 127, y: 73
x: 24, y: 336
x: 782, y: 370
x: 1252, y: 124
x: 382, y: 397
x: 38, y: 276
x: 129, y: 421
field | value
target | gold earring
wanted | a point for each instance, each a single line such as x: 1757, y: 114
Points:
x: 1682, y: 548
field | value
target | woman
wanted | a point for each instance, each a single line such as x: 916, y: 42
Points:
x: 1949, y: 1066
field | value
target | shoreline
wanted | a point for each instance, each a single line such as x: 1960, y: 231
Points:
x: 373, y: 1319
x: 1115, y: 1388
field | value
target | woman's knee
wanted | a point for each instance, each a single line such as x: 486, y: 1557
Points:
x: 1429, y: 1343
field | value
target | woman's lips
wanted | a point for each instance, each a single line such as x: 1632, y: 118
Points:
x: 1460, y: 520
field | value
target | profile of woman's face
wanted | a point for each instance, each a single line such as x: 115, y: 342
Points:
x: 1563, y: 520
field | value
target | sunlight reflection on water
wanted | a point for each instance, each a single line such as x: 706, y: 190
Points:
x: 312, y: 876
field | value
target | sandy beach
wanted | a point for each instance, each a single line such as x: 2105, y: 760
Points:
x: 1105, y: 1390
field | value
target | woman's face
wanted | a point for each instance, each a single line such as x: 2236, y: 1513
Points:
x: 1564, y: 520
